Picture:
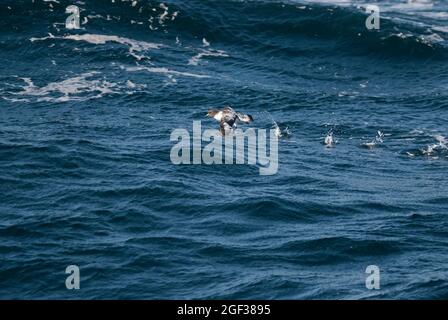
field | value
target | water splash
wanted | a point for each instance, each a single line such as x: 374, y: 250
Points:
x: 277, y: 130
x: 375, y: 142
x: 328, y: 141
x: 436, y: 148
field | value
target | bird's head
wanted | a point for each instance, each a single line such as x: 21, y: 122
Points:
x: 247, y: 118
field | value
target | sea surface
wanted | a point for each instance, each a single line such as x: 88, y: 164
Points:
x: 86, y: 177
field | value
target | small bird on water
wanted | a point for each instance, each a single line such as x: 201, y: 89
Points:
x: 329, y: 139
x: 228, y: 118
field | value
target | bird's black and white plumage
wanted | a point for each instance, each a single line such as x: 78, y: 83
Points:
x: 228, y: 118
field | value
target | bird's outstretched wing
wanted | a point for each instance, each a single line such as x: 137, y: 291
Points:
x: 240, y: 116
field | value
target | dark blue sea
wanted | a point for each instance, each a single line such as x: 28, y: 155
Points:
x: 86, y: 177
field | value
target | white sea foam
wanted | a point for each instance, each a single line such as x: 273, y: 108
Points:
x: 440, y: 29
x: 194, y: 61
x: 164, y: 15
x: 336, y: 2
x: 431, y: 39
x: 78, y: 88
x: 134, y: 45
x: 441, y: 139
x: 435, y: 15
x: 163, y: 70
x: 413, y: 5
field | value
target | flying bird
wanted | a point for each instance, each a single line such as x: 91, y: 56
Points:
x: 228, y: 118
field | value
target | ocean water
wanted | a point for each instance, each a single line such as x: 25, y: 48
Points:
x: 86, y: 177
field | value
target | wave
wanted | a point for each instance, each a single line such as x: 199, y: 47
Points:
x: 286, y: 26
x: 280, y: 27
